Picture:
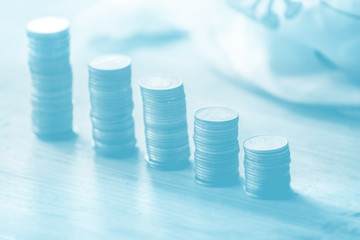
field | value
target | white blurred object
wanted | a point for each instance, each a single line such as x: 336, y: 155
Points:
x: 314, y: 58
x: 333, y: 33
x: 129, y: 19
x: 347, y: 6
x: 123, y: 19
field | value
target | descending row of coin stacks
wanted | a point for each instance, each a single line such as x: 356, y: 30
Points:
x: 267, y: 158
x: 51, y: 75
x: 164, y: 109
x: 216, y: 146
x: 112, y: 105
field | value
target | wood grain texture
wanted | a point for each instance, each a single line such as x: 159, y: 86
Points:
x: 63, y: 190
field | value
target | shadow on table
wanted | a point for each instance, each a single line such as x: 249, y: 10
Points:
x: 319, y: 220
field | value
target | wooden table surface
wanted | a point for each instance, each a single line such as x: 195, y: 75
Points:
x: 62, y: 190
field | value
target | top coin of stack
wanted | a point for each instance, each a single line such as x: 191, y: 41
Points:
x: 51, y: 94
x: 112, y: 105
x: 216, y: 146
x: 266, y: 163
x: 164, y: 110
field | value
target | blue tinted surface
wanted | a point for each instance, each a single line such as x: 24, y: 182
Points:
x: 64, y: 191
x: 264, y: 11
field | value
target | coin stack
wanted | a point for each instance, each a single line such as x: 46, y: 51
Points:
x: 112, y: 106
x: 216, y: 146
x: 165, y: 122
x: 51, y: 77
x: 267, y: 170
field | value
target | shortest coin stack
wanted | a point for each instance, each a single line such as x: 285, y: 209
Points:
x: 112, y: 105
x: 267, y: 170
x: 165, y: 122
x: 216, y: 146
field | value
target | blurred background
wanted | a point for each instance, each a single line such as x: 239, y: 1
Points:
x: 304, y: 52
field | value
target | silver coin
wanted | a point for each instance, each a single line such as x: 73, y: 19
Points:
x: 121, y: 113
x: 172, y: 163
x: 265, y: 144
x: 115, y: 150
x: 113, y: 124
x: 48, y: 26
x: 110, y: 63
x: 216, y: 115
x: 160, y: 83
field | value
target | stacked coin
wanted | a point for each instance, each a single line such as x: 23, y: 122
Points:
x: 51, y: 74
x: 112, y: 105
x: 266, y: 163
x: 216, y: 146
x: 165, y: 122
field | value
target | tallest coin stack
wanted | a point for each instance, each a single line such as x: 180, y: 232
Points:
x: 51, y: 74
